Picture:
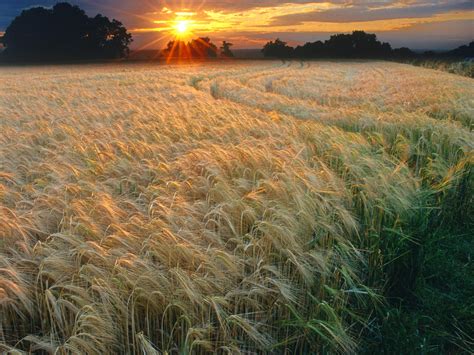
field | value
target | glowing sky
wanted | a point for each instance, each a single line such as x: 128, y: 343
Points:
x: 250, y: 23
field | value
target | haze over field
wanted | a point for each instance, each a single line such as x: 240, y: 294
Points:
x: 243, y: 207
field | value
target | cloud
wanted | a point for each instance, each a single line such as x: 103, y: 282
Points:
x: 364, y: 13
x: 434, y: 35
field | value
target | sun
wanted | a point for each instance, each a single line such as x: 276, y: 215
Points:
x: 181, y: 28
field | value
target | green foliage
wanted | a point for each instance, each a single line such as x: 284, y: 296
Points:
x: 437, y: 316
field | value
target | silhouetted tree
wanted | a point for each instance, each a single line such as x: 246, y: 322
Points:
x: 201, y: 47
x: 367, y: 45
x: 339, y: 45
x: 358, y: 44
x: 403, y: 53
x: 175, y: 49
x: 277, y: 49
x: 109, y: 37
x: 64, y: 32
x: 466, y: 51
x: 225, y: 50
x: 311, y: 50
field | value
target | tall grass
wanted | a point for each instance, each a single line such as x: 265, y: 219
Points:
x: 261, y: 207
x: 454, y: 66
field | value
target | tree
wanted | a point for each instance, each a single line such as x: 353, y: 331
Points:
x: 64, y: 32
x: 429, y: 54
x: 358, y: 44
x: 109, y: 37
x: 277, y: 49
x: 203, y: 48
x: 466, y: 51
x: 225, y: 50
x: 310, y: 50
x: 199, y: 48
x: 339, y: 45
x: 175, y: 49
x: 403, y: 53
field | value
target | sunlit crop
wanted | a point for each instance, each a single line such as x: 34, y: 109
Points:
x: 244, y: 207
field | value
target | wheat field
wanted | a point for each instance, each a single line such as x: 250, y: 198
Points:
x: 241, y: 207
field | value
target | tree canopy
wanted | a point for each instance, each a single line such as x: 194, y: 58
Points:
x: 356, y: 45
x: 463, y: 51
x: 64, y: 32
x: 226, y: 52
x: 278, y: 49
x: 199, y: 48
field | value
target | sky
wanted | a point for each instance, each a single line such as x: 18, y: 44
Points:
x: 418, y: 24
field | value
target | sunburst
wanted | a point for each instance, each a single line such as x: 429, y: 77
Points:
x: 182, y: 28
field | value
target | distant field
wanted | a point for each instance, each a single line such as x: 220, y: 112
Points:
x: 236, y: 207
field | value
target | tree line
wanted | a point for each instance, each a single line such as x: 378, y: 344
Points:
x: 65, y: 32
x: 358, y: 44
x: 200, y: 48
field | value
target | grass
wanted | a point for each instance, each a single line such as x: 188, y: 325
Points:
x: 246, y: 207
x: 436, y: 316
x: 450, y: 65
